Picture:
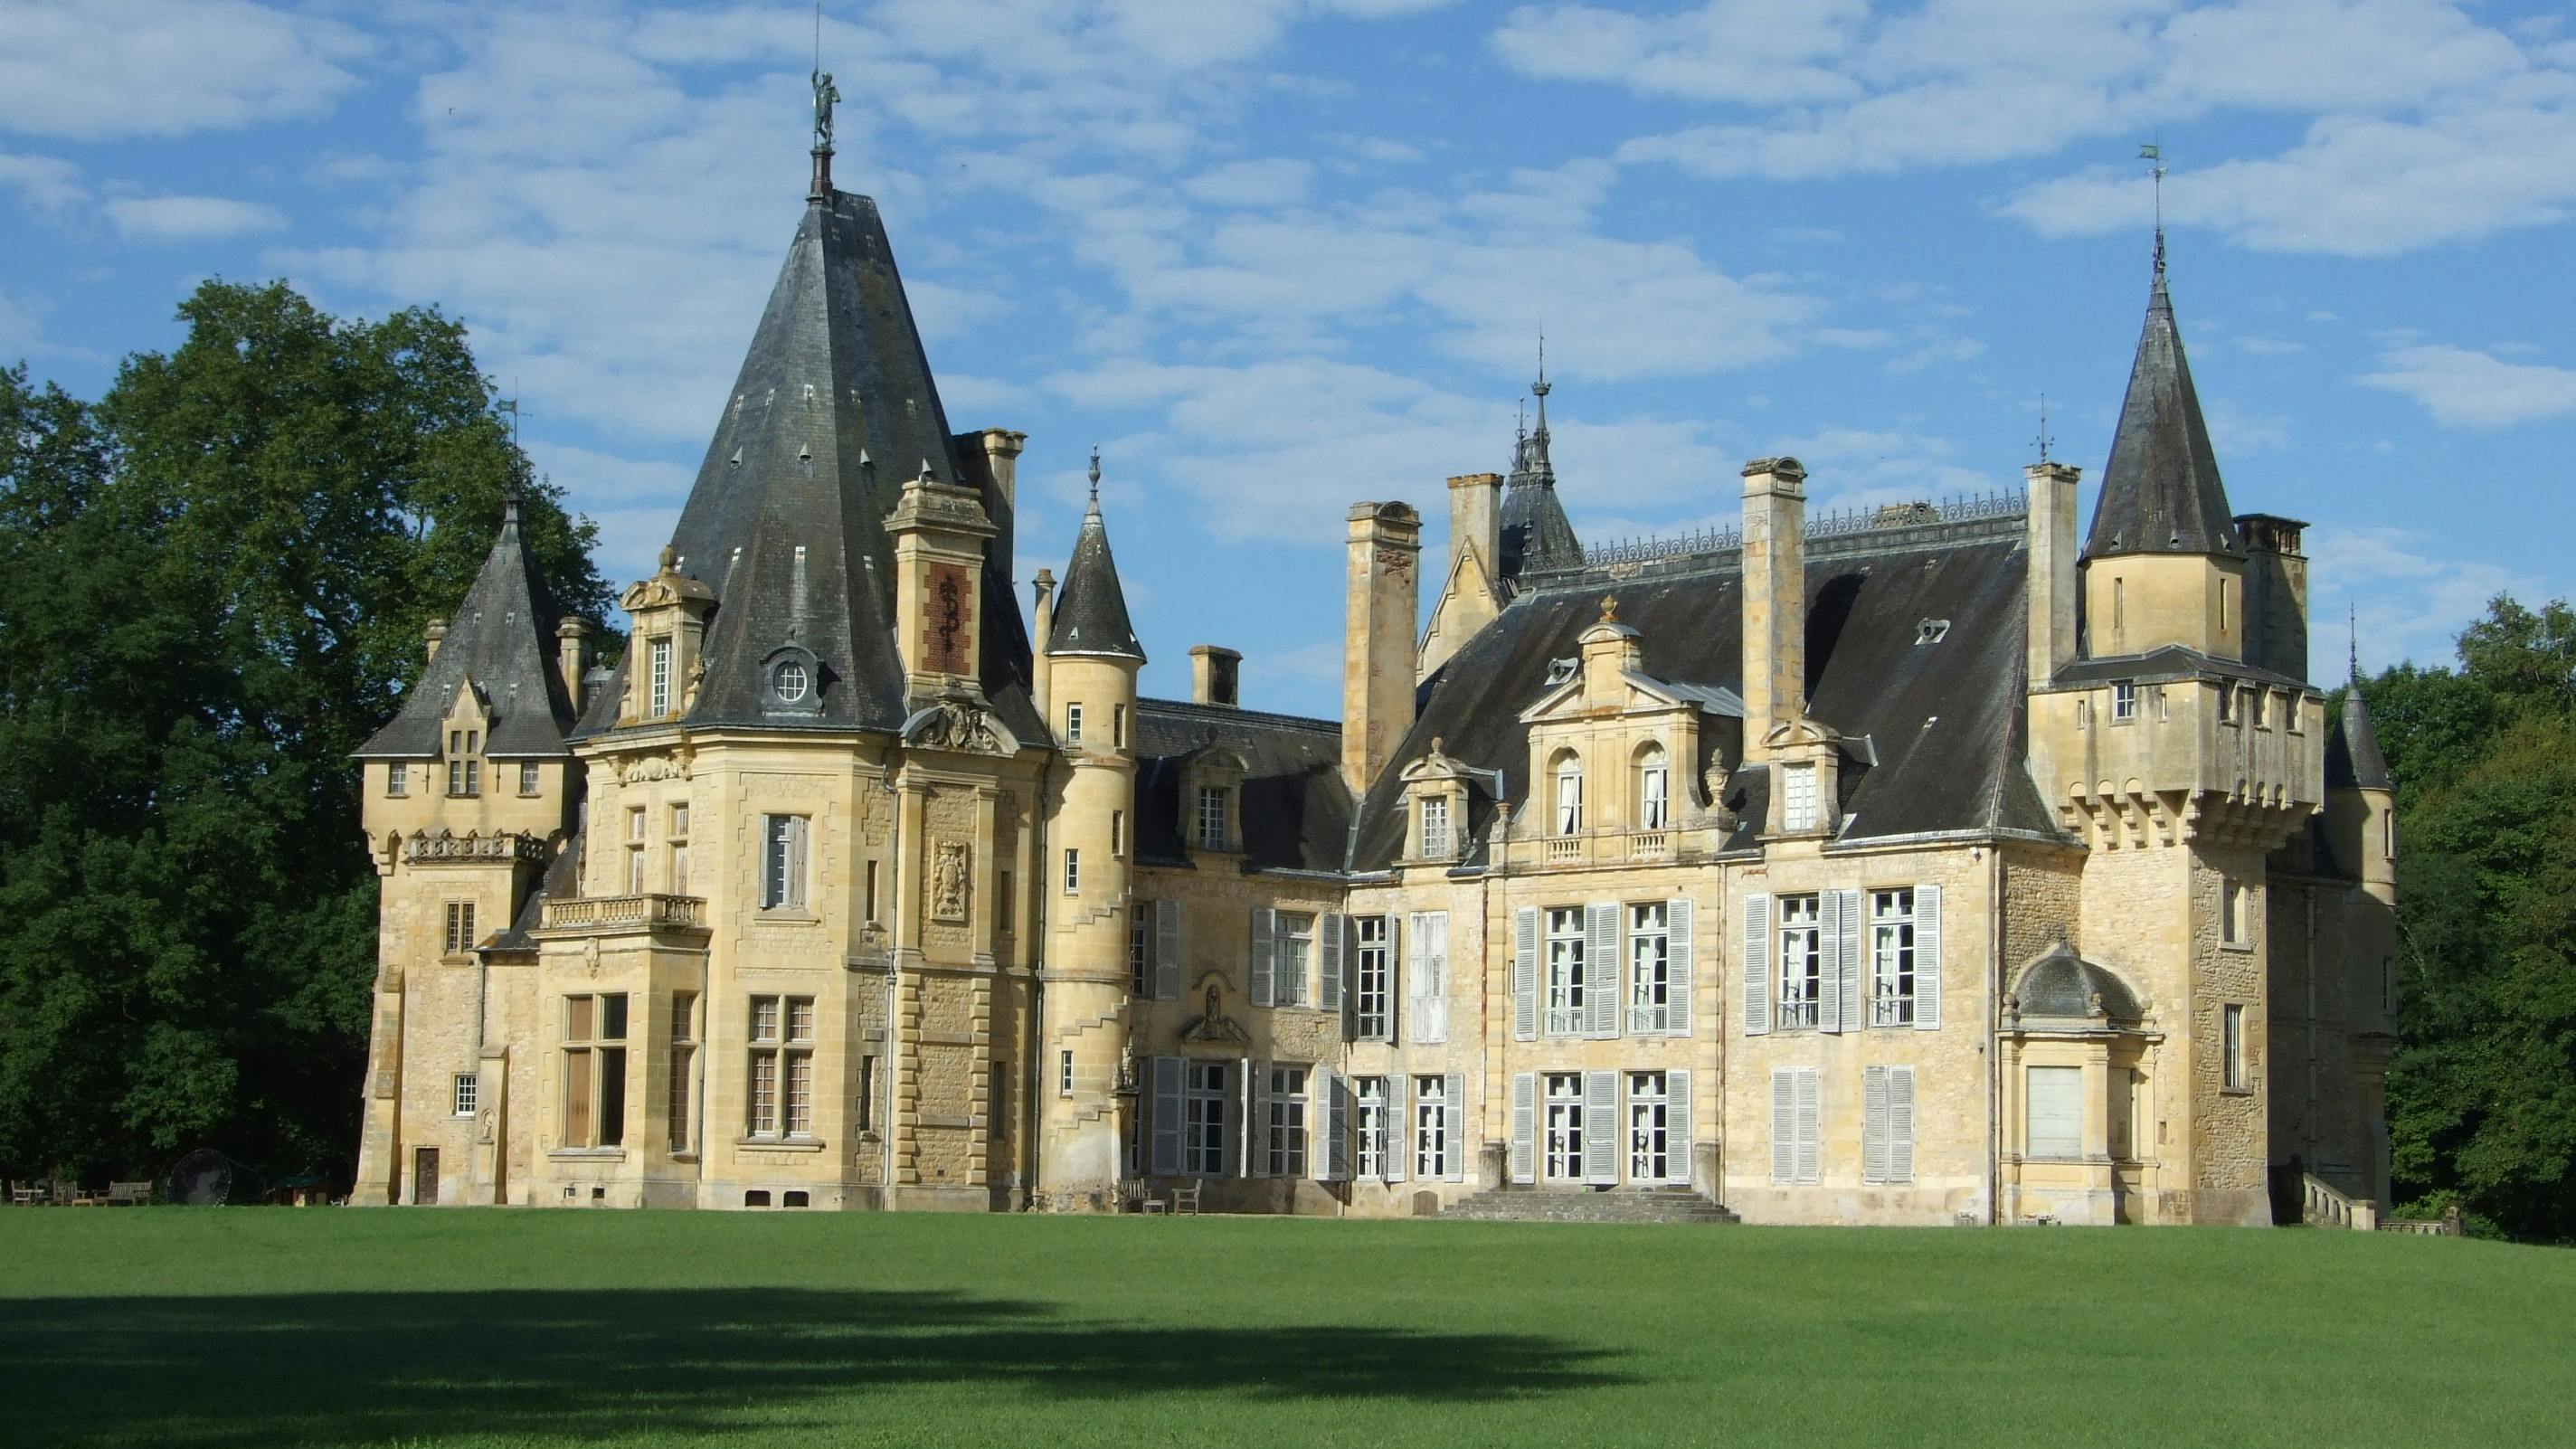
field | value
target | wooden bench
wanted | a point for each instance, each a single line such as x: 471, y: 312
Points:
x: 128, y: 1194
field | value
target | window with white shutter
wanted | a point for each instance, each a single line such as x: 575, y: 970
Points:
x: 1649, y: 1119
x: 1167, y: 1115
x: 1167, y: 950
x: 1927, y: 958
x: 1285, y: 1105
x: 1801, y: 961
x: 1892, y: 969
x: 1333, y: 1095
x: 1873, y: 1124
x: 1525, y: 974
x: 1900, y: 1124
x: 2055, y: 1110
x: 1567, y: 936
x: 1372, y: 978
x: 1561, y: 1126
x: 1601, y: 958
x: 1426, y: 978
x: 1601, y: 1128
x: 1524, y: 1126
x: 1847, y: 962
x: 1680, y: 920
x: 1649, y: 968
x: 1368, y: 1129
x: 1331, y: 933
x: 1265, y: 925
x: 1797, y: 1156
x: 1207, y: 1095
x: 1677, y: 1126
x: 1453, y: 1091
x: 1756, y: 967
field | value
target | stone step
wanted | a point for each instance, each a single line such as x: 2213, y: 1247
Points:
x: 1561, y: 1205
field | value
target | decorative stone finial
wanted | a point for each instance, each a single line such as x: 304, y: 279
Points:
x: 670, y: 558
x: 1609, y: 608
x: 1095, y: 475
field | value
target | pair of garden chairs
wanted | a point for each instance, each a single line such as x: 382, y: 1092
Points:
x: 1182, y: 1199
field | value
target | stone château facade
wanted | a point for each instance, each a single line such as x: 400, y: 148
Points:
x: 1914, y: 866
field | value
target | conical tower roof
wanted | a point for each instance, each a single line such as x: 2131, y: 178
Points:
x: 1091, y: 611
x: 2353, y: 760
x: 1536, y: 534
x: 2160, y: 490
x: 499, y: 641
x: 833, y: 410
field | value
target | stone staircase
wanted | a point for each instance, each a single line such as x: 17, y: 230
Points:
x: 1588, y: 1205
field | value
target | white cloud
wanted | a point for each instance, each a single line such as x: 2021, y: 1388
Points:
x: 49, y: 184
x: 97, y: 69
x: 1277, y: 181
x: 189, y: 218
x: 2410, y: 605
x: 2465, y: 389
x: 19, y: 333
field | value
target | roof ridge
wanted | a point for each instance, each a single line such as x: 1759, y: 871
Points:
x: 1229, y: 711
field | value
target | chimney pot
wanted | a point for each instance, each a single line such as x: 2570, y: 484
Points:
x: 1216, y: 675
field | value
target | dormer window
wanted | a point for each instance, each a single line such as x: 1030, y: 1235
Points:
x: 1931, y: 631
x: 658, y: 690
x: 1213, y: 800
x: 1569, y: 795
x: 464, y: 769
x: 1798, y: 797
x: 1561, y: 670
x: 1435, y: 828
x: 791, y: 681
x: 1654, y: 789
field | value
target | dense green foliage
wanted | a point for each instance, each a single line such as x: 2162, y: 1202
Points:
x: 213, y: 585
x: 2482, y: 1095
x: 214, y: 1328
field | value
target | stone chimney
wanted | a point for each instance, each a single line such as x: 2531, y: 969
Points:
x: 1000, y: 449
x: 2053, y: 589
x: 2276, y: 593
x: 1775, y: 599
x: 1382, y: 605
x: 1042, y: 591
x: 572, y: 646
x: 437, y: 635
x: 1476, y: 519
x: 1216, y: 675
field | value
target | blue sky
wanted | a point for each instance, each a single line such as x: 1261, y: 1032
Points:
x: 1275, y: 256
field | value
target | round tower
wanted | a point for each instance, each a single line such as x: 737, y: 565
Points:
x: 1091, y: 658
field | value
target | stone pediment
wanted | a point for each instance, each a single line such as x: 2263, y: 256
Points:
x: 962, y: 723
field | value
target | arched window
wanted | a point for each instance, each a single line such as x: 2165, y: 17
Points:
x: 1654, y: 789
x: 1569, y: 794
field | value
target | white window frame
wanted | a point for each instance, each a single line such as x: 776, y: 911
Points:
x: 1435, y: 827
x: 1798, y: 797
x: 1205, y: 1095
x: 1372, y: 978
x: 779, y: 1106
x: 2232, y: 1063
x: 398, y: 778
x: 1213, y: 801
x: 1073, y: 870
x: 1072, y: 723
x: 1798, y: 956
x: 465, y: 1093
x: 1563, y: 979
x: 786, y: 848
x: 1284, y: 1137
x: 1892, y: 960
x: 531, y: 780
x: 1569, y: 795
x: 1293, y: 958
x: 1368, y: 1120
x: 2124, y: 701
x: 1561, y: 1109
x: 1650, y: 960
x: 1432, y: 1114
x: 1650, y: 1146
x: 658, y: 652
x: 1140, y: 950
x: 1654, y: 791
x: 1064, y: 1073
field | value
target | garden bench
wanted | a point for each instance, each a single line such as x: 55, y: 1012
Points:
x: 128, y: 1194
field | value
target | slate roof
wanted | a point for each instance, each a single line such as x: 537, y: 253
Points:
x: 2063, y: 984
x: 1943, y: 719
x: 1537, y: 537
x: 2353, y: 760
x: 1091, y: 612
x: 501, y: 637
x: 2171, y: 661
x: 1296, y: 813
x: 833, y: 411
x: 2160, y: 490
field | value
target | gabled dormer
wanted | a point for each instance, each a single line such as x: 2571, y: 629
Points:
x: 1439, y: 795
x: 1614, y: 753
x: 667, y: 620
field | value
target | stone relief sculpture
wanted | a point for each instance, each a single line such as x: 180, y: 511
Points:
x: 948, y: 888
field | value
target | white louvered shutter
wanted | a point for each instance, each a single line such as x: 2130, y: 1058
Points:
x: 1332, y: 1105
x: 1927, y: 958
x: 1524, y: 1126
x: 1810, y: 1127
x: 1167, y: 1116
x: 1525, y: 974
x: 1394, y: 1127
x: 1784, y: 1125
x: 1453, y: 1127
x: 1854, y: 1014
x: 1256, y: 1119
x: 1330, y: 928
x: 1829, y: 961
x: 1677, y: 1126
x: 1601, y: 1128
x: 1900, y: 1124
x: 1678, y: 921
x: 1601, y: 969
x: 1426, y: 980
x: 1265, y: 925
x: 1873, y: 1124
x: 1757, y: 965
x: 1167, y: 950
x: 1391, y: 989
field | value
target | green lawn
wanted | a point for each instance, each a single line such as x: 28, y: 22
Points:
x: 260, y: 1327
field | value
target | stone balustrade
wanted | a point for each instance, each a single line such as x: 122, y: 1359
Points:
x: 597, y: 912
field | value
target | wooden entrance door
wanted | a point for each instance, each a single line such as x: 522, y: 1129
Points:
x: 424, y: 1176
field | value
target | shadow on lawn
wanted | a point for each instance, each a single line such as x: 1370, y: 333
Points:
x: 366, y: 1368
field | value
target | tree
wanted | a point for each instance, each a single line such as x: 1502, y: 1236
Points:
x: 2482, y: 1095
x: 216, y: 583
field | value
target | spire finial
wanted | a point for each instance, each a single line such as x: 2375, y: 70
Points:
x: 1539, y: 388
x: 825, y: 95
x: 2155, y: 152
x: 2352, y: 626
x: 1095, y: 477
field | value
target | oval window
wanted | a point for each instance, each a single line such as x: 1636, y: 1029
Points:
x: 792, y: 682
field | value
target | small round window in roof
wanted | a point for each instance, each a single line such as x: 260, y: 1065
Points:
x: 792, y: 682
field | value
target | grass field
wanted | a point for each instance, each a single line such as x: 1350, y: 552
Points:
x: 263, y: 1327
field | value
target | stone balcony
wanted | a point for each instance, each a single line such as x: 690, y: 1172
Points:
x: 1595, y: 848
x: 595, y: 915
